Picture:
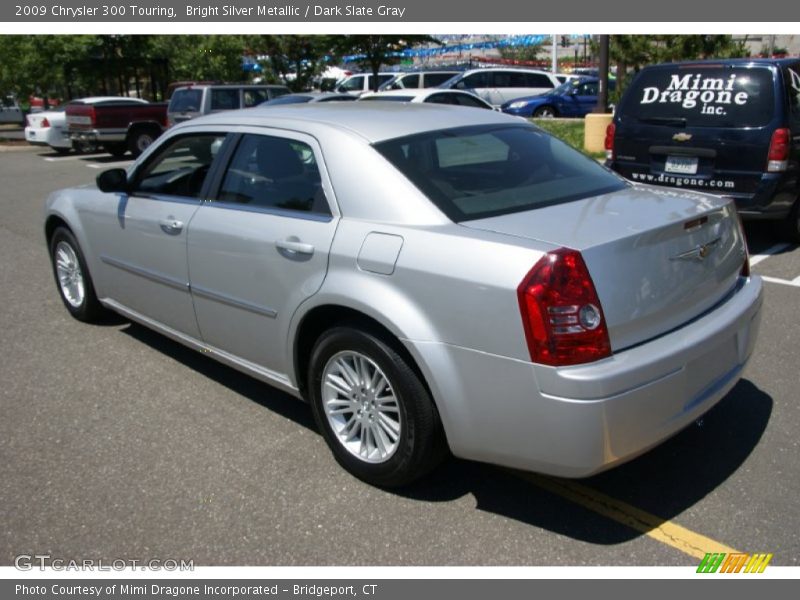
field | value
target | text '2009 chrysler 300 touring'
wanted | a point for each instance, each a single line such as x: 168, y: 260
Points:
x: 429, y: 278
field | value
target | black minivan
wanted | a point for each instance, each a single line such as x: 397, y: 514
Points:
x: 727, y: 127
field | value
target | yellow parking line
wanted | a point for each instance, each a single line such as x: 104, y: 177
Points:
x: 662, y: 530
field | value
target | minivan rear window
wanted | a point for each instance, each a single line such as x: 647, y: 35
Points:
x: 484, y: 171
x: 702, y: 97
x: 186, y: 100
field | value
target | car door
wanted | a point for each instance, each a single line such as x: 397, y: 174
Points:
x: 260, y: 246
x: 140, y: 236
x: 584, y: 98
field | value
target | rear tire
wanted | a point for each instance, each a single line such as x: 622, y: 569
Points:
x: 72, y: 277
x: 140, y: 140
x: 375, y: 414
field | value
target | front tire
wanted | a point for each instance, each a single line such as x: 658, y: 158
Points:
x: 375, y: 414
x: 72, y: 277
x: 544, y: 112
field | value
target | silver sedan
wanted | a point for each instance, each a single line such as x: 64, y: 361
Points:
x: 431, y: 279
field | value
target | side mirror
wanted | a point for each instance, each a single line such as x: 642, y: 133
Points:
x: 113, y: 180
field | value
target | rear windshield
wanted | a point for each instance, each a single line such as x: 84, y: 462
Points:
x: 186, y: 100
x: 484, y: 171
x: 702, y: 97
x: 387, y: 98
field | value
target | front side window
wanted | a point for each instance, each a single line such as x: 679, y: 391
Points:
x: 475, y: 80
x: 488, y: 170
x: 274, y: 173
x: 225, y: 99
x: 181, y: 168
x: 409, y: 81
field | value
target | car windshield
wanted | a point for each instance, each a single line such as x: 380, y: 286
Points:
x: 293, y: 99
x: 564, y: 88
x: 186, y: 100
x: 489, y: 170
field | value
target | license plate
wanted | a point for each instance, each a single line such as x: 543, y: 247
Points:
x: 79, y: 120
x: 686, y: 165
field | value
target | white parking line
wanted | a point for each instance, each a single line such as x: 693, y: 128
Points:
x: 116, y: 164
x: 794, y: 282
x: 73, y: 157
x: 757, y: 258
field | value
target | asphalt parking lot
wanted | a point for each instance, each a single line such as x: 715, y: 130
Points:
x: 116, y: 442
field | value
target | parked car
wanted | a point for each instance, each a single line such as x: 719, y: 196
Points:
x: 427, y: 278
x: 37, y: 104
x: 498, y: 85
x: 361, y: 83
x: 417, y: 79
x: 49, y: 128
x: 576, y: 97
x: 196, y: 100
x: 10, y: 112
x: 729, y: 127
x: 117, y: 124
x: 304, y: 97
x: 428, y: 96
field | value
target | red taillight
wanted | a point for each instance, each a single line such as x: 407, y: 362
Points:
x: 93, y: 115
x: 44, y: 123
x: 609, y: 141
x: 561, y: 313
x: 745, y: 270
x: 778, y: 156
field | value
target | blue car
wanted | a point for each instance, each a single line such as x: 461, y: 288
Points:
x: 573, y: 98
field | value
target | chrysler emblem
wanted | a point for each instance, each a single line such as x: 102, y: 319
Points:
x: 699, y: 253
x: 682, y: 137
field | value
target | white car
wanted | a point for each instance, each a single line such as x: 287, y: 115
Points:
x: 428, y: 96
x: 49, y: 128
x: 498, y: 85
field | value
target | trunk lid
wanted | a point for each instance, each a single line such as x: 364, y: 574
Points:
x: 658, y: 258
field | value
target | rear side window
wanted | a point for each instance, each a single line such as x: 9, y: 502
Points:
x: 791, y: 77
x: 702, y: 97
x: 225, y: 99
x: 409, y: 81
x: 186, y: 101
x: 538, y: 80
x: 484, y: 171
x: 475, y: 80
x: 273, y: 172
x: 254, y: 97
x: 434, y: 79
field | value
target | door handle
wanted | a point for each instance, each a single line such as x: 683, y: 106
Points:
x: 294, y: 247
x: 171, y: 226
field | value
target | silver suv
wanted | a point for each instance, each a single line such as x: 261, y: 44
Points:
x: 195, y: 100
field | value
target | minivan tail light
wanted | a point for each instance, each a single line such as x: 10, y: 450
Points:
x: 561, y: 313
x: 611, y: 130
x: 778, y: 157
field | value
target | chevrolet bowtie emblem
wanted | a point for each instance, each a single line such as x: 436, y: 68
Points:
x: 682, y: 137
x: 699, y: 253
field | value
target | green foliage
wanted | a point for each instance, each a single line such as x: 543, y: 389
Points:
x: 521, y: 53
x: 569, y: 130
x: 632, y: 52
x: 377, y: 50
x: 294, y: 60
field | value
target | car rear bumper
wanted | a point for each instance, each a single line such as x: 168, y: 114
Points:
x: 577, y: 421
x: 99, y: 137
x: 772, y: 198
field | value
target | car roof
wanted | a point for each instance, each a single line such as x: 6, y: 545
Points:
x: 414, y: 92
x: 371, y: 121
x: 97, y: 99
x: 728, y: 62
x: 521, y: 69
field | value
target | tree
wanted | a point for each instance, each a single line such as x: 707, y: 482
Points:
x: 294, y: 60
x: 373, y: 51
x: 632, y: 52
